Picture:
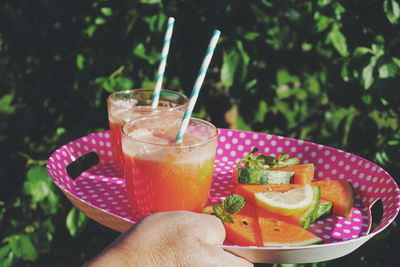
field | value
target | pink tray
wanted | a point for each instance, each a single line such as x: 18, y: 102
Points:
x: 100, y: 191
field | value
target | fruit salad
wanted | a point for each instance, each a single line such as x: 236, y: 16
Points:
x: 276, y: 199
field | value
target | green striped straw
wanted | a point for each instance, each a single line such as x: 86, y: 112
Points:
x: 197, y: 86
x: 163, y: 62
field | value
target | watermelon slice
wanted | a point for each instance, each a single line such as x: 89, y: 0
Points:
x: 235, y: 175
x: 279, y: 233
x: 245, y: 230
x: 340, y: 193
x: 301, y: 219
x: 303, y: 173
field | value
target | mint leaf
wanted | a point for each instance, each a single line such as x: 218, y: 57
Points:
x: 289, y: 162
x: 228, y: 218
x: 233, y: 204
x: 268, y: 161
x: 230, y: 205
x: 264, y: 162
x: 254, y: 150
x: 219, y: 212
x: 283, y: 156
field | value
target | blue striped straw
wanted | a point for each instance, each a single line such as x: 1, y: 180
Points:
x: 197, y: 86
x: 163, y: 62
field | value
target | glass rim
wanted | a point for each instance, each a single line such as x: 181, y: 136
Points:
x: 110, y: 100
x: 208, y: 140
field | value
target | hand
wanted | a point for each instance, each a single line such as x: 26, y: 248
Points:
x: 176, y: 238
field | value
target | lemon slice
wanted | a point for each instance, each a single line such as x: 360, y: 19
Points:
x: 286, y: 203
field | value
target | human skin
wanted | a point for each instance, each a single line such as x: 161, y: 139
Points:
x: 175, y: 238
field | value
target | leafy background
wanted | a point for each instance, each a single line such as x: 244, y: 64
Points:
x: 324, y: 71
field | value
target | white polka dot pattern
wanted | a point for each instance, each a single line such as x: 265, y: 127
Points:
x: 100, y: 191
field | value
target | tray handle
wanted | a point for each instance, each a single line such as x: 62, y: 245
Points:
x: 67, y: 163
x: 97, y: 143
x: 82, y: 164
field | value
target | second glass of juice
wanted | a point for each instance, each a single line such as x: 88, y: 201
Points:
x: 124, y: 106
x: 161, y: 175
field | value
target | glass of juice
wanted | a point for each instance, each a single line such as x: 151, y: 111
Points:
x: 161, y: 175
x: 126, y: 105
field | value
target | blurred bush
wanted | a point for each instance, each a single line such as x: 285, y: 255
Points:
x: 325, y: 71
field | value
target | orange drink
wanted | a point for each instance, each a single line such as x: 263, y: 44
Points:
x: 161, y: 175
x: 126, y: 105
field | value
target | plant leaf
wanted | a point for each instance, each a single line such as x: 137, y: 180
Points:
x: 150, y: 2
x: 368, y: 73
x: 338, y: 40
x: 6, y: 105
x: 244, y: 61
x: 37, y: 184
x: 323, y: 23
x: 360, y: 50
x: 23, y: 247
x: 392, y: 10
x: 251, y: 35
x: 76, y: 221
x: 229, y: 67
x: 4, y: 252
x: 80, y: 61
x: 262, y: 111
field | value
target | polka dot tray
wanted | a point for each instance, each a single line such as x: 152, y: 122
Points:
x: 100, y: 191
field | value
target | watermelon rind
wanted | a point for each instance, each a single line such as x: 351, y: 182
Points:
x: 260, y: 176
x: 324, y: 209
x: 311, y: 213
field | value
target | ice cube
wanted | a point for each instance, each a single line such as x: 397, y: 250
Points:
x: 146, y: 135
x: 153, y: 139
x: 140, y: 133
x: 128, y: 103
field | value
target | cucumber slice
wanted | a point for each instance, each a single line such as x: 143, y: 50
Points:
x: 259, y: 176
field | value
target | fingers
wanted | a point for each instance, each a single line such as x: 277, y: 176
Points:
x: 233, y: 260
x: 209, y: 229
x: 203, y: 227
x: 212, y: 255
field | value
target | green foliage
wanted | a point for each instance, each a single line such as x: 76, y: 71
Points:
x: 22, y: 247
x: 325, y: 71
x: 76, y: 221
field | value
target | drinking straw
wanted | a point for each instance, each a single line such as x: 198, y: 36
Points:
x: 163, y: 62
x: 197, y: 86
